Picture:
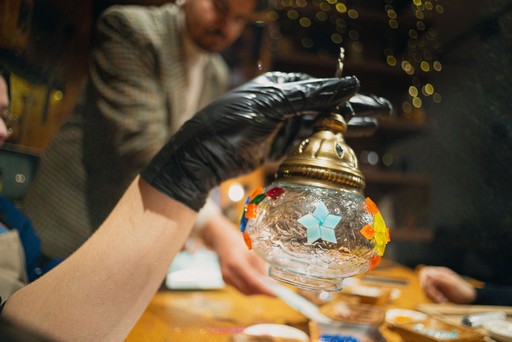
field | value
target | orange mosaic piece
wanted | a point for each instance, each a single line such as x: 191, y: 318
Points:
x: 374, y: 262
x: 371, y: 206
x: 250, y: 210
x: 259, y: 190
x: 368, y: 232
x: 388, y: 235
x: 247, y: 240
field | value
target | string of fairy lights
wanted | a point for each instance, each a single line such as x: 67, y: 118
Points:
x: 329, y: 24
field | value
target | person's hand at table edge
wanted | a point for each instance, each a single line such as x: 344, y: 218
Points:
x: 442, y: 285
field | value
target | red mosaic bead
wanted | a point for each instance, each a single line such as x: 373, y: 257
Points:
x: 275, y: 192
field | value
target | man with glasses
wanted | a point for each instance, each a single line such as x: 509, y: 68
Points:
x: 151, y: 69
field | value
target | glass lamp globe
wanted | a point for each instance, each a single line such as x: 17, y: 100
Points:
x: 313, y: 224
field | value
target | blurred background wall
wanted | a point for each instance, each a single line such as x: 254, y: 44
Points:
x: 440, y: 169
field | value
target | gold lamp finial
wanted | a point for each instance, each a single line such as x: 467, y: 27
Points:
x: 325, y: 159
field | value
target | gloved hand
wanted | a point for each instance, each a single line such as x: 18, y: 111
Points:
x: 236, y: 133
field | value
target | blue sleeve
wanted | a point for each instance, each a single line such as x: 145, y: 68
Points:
x: 36, y: 264
x: 15, y: 219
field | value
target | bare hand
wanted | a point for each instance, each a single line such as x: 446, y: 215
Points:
x: 240, y: 267
x: 441, y: 284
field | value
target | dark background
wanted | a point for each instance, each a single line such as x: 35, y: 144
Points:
x: 458, y: 212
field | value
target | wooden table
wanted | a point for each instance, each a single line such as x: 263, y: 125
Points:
x: 218, y: 314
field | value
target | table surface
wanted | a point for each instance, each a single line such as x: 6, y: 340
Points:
x: 216, y: 315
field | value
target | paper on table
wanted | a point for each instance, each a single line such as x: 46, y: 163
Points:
x: 199, y: 270
x: 296, y: 301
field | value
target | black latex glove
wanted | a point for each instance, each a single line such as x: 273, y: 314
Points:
x: 236, y: 133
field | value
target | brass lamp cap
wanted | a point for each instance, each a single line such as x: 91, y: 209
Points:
x: 324, y: 159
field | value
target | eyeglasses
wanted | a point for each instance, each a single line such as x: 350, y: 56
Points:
x: 9, y: 119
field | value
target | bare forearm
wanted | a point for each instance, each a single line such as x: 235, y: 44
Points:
x: 216, y: 228
x: 99, y: 292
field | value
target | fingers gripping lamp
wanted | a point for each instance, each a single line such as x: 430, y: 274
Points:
x: 313, y: 224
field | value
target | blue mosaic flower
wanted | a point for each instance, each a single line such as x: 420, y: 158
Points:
x: 320, y: 224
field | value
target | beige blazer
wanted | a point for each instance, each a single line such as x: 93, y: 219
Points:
x: 129, y: 107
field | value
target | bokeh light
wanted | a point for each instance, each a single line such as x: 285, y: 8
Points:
x: 236, y: 192
x: 322, y: 26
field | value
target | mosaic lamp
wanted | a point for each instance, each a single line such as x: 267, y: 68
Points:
x: 313, y: 224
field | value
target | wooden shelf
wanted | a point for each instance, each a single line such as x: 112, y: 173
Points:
x: 389, y: 130
x: 326, y: 61
x: 411, y: 235
x: 392, y: 177
x: 26, y: 150
x: 291, y: 60
x: 393, y: 124
x: 374, y: 16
